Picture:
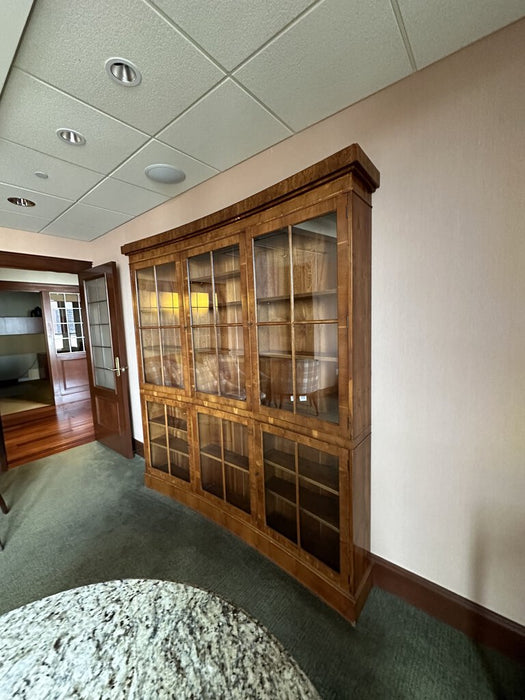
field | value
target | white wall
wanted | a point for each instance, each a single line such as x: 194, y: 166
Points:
x: 448, y: 354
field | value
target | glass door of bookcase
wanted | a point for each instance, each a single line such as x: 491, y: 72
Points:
x: 301, y: 485
x: 297, y: 317
x: 224, y: 460
x: 159, y: 321
x: 168, y: 439
x: 217, y: 322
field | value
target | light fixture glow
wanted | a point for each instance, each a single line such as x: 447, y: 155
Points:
x: 123, y: 72
x: 162, y: 172
x: 71, y: 137
x: 21, y: 201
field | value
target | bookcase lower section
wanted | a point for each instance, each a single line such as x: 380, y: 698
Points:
x: 331, y: 591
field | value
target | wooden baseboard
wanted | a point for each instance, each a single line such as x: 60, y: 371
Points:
x: 479, y: 623
x: 138, y: 448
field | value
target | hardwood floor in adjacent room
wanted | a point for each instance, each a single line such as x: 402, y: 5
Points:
x: 42, y: 433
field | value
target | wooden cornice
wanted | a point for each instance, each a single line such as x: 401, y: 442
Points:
x: 349, y: 160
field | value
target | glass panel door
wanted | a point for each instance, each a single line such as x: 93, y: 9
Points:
x: 159, y: 315
x: 224, y: 460
x: 296, y: 306
x: 168, y: 439
x: 217, y: 322
x: 97, y: 310
x: 302, y: 496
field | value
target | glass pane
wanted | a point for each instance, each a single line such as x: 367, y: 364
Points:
x: 172, y: 357
x: 210, y: 435
x: 272, y: 276
x: 151, y: 356
x: 211, y: 475
x: 147, y: 297
x: 169, y: 299
x: 226, y: 261
x: 104, y: 378
x: 206, y: 361
x: 227, y: 285
x: 280, y: 485
x: 317, y: 370
x: 320, y: 539
x: 314, y: 255
x: 235, y: 444
x: 177, y: 419
x: 201, y: 289
x: 319, y: 467
x: 100, y: 332
x: 237, y: 484
x: 231, y: 362
x: 67, y: 322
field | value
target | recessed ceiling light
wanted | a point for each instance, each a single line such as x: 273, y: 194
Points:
x: 41, y: 174
x: 21, y: 201
x: 123, y: 72
x: 70, y: 136
x: 162, y: 172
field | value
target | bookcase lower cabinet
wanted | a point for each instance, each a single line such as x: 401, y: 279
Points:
x: 253, y: 341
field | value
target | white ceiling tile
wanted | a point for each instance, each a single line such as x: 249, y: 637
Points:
x: 224, y: 128
x: 123, y: 197
x: 85, y: 223
x: 231, y: 31
x: 14, y: 16
x: 64, y: 46
x: 21, y: 222
x: 31, y: 112
x: 340, y: 52
x: 46, y: 205
x: 155, y: 152
x: 436, y: 29
x: 19, y: 164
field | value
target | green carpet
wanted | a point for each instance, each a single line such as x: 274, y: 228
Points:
x: 84, y: 516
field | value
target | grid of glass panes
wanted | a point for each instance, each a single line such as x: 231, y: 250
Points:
x: 159, y: 311
x: 224, y: 460
x: 168, y: 439
x: 68, y: 329
x: 100, y: 332
x: 217, y: 322
x: 297, y: 327
x: 302, y: 496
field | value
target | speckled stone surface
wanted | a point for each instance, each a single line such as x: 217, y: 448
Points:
x: 142, y: 639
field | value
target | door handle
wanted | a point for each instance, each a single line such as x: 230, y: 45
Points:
x: 118, y: 369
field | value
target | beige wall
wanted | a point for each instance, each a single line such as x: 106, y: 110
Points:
x: 448, y: 449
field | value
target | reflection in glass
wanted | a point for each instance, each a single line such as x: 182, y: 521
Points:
x: 171, y: 357
x: 100, y: 332
x: 206, y: 360
x: 302, y: 488
x: 217, y: 322
x: 159, y: 311
x: 168, y: 439
x: 297, y: 333
x: 224, y: 460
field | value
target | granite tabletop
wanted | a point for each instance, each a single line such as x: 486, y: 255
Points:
x: 142, y: 639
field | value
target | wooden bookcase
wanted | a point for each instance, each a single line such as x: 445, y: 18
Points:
x: 253, y: 339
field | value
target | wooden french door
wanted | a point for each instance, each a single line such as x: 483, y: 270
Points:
x: 106, y: 355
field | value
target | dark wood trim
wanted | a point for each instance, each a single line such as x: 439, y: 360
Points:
x: 349, y: 160
x: 8, y: 286
x: 138, y: 448
x: 479, y: 623
x: 25, y: 261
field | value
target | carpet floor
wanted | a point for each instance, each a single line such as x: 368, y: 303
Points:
x: 84, y: 516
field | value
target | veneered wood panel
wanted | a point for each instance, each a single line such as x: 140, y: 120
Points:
x: 74, y: 374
